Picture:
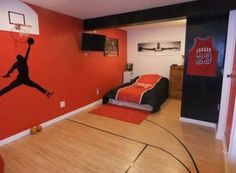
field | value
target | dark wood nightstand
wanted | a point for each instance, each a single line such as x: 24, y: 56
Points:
x: 176, y: 81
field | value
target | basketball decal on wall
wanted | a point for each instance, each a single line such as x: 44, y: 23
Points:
x: 21, y: 66
x: 202, y: 60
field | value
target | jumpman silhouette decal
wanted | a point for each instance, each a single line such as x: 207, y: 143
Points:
x: 23, y: 73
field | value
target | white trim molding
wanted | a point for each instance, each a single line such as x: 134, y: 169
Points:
x: 50, y: 122
x: 198, y: 122
x: 229, y: 54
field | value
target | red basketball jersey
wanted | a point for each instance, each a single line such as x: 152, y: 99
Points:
x: 202, y: 60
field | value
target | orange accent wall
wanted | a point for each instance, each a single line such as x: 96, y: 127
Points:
x: 230, y: 112
x: 57, y: 63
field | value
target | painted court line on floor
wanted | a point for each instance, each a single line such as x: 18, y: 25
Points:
x: 146, y: 144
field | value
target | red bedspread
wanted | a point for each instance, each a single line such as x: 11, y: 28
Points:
x: 133, y: 93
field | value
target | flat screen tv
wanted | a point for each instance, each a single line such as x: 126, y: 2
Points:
x: 93, y: 42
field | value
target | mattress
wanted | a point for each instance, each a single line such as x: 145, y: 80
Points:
x: 145, y: 107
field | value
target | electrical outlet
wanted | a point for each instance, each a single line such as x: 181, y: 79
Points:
x: 62, y: 104
x: 97, y: 91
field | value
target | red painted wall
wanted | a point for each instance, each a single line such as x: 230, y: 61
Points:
x: 57, y: 63
x: 232, y: 96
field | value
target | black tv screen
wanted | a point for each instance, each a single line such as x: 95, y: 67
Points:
x: 93, y: 42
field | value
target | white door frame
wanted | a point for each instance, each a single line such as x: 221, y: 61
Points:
x: 229, y: 56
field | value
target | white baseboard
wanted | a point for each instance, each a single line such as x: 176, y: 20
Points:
x: 14, y: 137
x: 220, y: 135
x: 48, y: 123
x: 198, y: 122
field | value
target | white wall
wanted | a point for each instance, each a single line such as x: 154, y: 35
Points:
x: 159, y: 64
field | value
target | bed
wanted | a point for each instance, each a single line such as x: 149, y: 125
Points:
x: 145, y: 92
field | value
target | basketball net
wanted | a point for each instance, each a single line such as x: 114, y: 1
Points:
x: 20, y: 34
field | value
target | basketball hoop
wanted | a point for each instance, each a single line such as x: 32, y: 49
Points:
x: 17, y: 26
x: 24, y: 30
x: 20, y: 34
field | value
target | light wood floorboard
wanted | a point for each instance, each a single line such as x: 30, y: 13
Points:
x: 88, y: 143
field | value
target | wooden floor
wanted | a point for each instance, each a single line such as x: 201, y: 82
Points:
x: 88, y: 143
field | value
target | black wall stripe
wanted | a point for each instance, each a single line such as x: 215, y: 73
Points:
x: 203, y: 7
x: 202, y: 94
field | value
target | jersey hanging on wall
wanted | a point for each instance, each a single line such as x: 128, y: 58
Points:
x: 202, y: 60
